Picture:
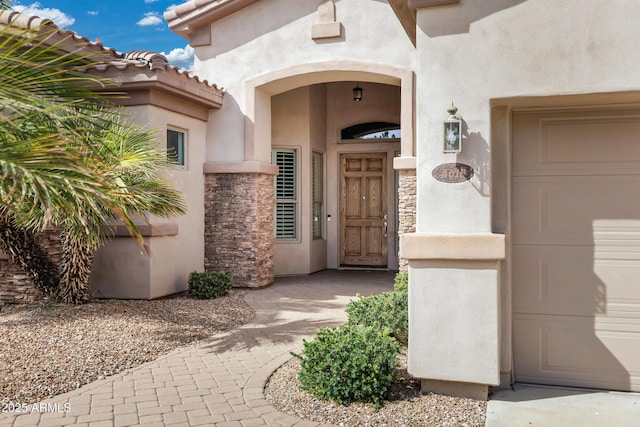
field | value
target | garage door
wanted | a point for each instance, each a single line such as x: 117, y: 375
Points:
x: 576, y: 248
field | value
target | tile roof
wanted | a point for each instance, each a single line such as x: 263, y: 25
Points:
x: 110, y: 59
x: 27, y: 22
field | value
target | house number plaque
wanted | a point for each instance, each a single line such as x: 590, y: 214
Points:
x: 452, y: 173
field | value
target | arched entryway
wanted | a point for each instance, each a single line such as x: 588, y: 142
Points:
x: 296, y: 118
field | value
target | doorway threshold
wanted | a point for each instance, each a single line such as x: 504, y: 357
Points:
x: 362, y: 268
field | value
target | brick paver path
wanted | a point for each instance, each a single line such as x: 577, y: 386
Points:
x: 219, y: 382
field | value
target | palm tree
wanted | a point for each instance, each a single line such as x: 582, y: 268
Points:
x: 129, y: 161
x: 64, y: 157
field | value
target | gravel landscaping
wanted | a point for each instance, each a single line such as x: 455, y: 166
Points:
x: 407, y: 406
x: 49, y: 349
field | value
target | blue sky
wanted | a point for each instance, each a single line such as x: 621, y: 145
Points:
x: 124, y: 25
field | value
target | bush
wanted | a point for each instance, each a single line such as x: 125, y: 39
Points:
x: 209, y: 285
x: 349, y: 364
x: 401, y: 282
x: 385, y: 311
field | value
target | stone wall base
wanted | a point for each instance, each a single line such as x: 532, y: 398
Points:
x: 406, y: 208
x: 239, y: 226
x: 15, y: 286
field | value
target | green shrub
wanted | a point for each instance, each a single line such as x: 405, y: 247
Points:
x: 209, y: 285
x: 401, y: 282
x: 385, y: 311
x: 349, y: 364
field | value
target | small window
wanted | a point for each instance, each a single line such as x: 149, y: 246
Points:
x: 317, y: 169
x: 286, y: 206
x: 175, y: 147
x: 371, y: 131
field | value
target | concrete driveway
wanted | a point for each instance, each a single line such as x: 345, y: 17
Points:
x: 533, y: 405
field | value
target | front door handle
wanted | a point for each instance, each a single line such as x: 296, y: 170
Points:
x: 385, y: 229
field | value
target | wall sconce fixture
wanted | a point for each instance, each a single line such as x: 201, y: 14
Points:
x: 452, y: 131
x: 357, y: 93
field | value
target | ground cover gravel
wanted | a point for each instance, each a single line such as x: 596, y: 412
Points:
x: 48, y: 349
x: 406, y: 406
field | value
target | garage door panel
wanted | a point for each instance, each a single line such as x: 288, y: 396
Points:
x: 578, y: 351
x: 576, y: 210
x: 554, y: 280
x: 576, y: 248
x: 577, y: 142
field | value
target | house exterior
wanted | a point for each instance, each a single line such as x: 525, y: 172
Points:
x: 522, y: 255
x: 177, y: 105
x: 521, y: 248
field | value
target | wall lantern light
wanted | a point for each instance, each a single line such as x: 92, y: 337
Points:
x: 452, y: 131
x: 357, y: 93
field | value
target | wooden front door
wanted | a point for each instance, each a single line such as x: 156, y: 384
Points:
x: 363, y: 209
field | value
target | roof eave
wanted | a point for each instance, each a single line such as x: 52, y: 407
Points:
x: 405, y: 10
x: 170, y: 81
x: 186, y: 18
x: 406, y: 16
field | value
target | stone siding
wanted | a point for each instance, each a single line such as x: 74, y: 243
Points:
x: 239, y: 227
x: 15, y: 285
x: 406, y: 208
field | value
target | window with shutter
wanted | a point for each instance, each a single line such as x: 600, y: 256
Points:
x: 286, y: 208
x: 317, y: 170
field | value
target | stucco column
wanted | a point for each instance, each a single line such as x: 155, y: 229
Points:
x: 239, y: 221
x: 454, y: 311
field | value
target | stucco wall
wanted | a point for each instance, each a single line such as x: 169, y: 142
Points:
x: 165, y: 269
x: 489, y: 58
x: 481, y: 51
x: 291, y: 128
x: 318, y: 136
x: 245, y: 45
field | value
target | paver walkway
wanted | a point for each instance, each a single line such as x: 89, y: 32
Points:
x: 219, y: 382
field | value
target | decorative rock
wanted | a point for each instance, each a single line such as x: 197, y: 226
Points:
x: 406, y: 407
x: 49, y: 349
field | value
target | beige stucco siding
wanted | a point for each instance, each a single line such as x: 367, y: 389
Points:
x: 479, y: 51
x: 189, y: 242
x: 291, y: 123
x: 245, y: 45
x: 491, y: 58
x: 122, y: 268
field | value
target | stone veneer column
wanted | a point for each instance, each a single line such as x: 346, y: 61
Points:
x: 239, y: 226
x: 406, y: 208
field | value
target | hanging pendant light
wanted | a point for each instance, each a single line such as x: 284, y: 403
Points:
x: 357, y: 93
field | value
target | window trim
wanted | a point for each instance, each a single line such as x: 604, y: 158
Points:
x: 295, y: 201
x: 321, y: 157
x: 354, y: 133
x: 185, y: 145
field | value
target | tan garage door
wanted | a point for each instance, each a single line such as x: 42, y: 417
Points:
x: 576, y: 248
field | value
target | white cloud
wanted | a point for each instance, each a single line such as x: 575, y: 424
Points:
x: 92, y: 12
x: 58, y: 17
x: 181, y: 57
x: 170, y: 8
x: 150, y: 1
x: 150, y: 18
